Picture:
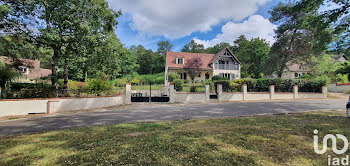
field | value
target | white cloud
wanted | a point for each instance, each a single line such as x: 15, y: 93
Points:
x: 255, y: 26
x: 179, y: 18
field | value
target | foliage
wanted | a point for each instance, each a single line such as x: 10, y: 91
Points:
x: 324, y: 66
x: 99, y: 84
x: 7, y: 74
x: 298, y: 37
x: 252, y: 53
x: 29, y: 90
x: 217, y: 48
x: 120, y: 82
x: 344, y: 68
x: 216, y: 78
x: 193, y: 67
x: 342, y: 79
x: 193, y: 89
x: 178, y: 84
x: 263, y: 85
x: 192, y: 46
x: 173, y: 76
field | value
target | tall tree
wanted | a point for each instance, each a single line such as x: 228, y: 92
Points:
x: 192, y: 46
x: 45, y: 23
x: 252, y: 53
x: 145, y: 60
x: 217, y: 48
x: 159, y: 59
x: 297, y: 36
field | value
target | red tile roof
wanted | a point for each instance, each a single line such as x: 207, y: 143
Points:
x: 171, y: 59
x: 34, y: 67
x: 207, y: 59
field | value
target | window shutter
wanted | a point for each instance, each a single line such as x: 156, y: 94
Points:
x: 176, y: 61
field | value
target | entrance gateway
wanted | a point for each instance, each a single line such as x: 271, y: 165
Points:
x: 150, y: 95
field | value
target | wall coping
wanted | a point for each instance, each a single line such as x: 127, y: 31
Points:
x: 59, y: 98
x: 190, y: 93
x: 342, y: 84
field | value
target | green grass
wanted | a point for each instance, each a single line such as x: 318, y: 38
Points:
x: 259, y: 140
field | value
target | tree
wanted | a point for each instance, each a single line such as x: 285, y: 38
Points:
x: 193, y: 67
x: 298, y: 37
x: 7, y: 74
x: 159, y: 59
x: 145, y: 60
x: 192, y: 46
x: 45, y: 23
x: 252, y: 53
x: 217, y: 48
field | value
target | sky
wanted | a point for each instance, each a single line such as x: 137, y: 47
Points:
x: 208, y: 22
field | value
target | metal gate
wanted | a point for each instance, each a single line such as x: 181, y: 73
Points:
x: 160, y: 95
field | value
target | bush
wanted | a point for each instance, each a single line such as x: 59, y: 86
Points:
x: 193, y: 89
x: 178, y: 84
x: 121, y: 82
x: 159, y: 80
x: 76, y: 85
x: 173, y: 76
x: 225, y: 85
x: 342, y: 79
x: 98, y: 86
x: 218, y: 78
x: 30, y: 90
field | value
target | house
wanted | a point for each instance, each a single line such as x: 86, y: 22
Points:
x: 297, y: 70
x: 224, y: 64
x: 294, y: 71
x: 30, y: 69
x: 340, y: 58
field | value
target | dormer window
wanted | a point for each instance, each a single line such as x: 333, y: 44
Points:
x: 180, y: 61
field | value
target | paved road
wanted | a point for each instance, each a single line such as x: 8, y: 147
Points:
x: 155, y: 112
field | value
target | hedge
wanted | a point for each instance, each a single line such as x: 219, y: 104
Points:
x: 262, y: 85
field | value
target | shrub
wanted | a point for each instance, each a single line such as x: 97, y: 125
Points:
x: 342, y: 79
x: 225, y: 85
x: 218, y: 78
x: 178, y: 84
x: 121, y: 82
x: 98, y: 86
x: 173, y: 76
x: 76, y: 85
x: 193, y: 89
x: 159, y: 80
x: 135, y: 81
x: 30, y: 90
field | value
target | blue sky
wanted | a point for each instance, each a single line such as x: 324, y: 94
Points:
x: 208, y: 22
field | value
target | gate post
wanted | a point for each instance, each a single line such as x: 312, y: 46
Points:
x: 244, y: 91
x: 325, y: 92
x: 272, y: 92
x: 295, y: 91
x: 219, y: 91
x: 128, y: 93
x: 171, y: 93
x: 207, y: 93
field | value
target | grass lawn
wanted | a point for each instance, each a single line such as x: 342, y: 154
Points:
x: 259, y: 140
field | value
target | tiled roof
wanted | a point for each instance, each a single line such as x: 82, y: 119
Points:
x: 34, y: 67
x: 171, y: 59
x: 207, y: 59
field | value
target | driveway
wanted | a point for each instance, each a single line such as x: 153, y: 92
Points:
x: 156, y: 112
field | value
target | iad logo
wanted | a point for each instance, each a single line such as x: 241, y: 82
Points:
x: 334, y: 143
x: 335, y: 160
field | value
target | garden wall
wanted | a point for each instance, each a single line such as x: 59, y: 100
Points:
x: 339, y: 88
x: 36, y: 106
x: 189, y: 97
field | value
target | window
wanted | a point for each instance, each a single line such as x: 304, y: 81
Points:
x: 199, y: 74
x: 180, y: 61
x: 296, y: 75
x: 225, y: 75
x: 207, y: 76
